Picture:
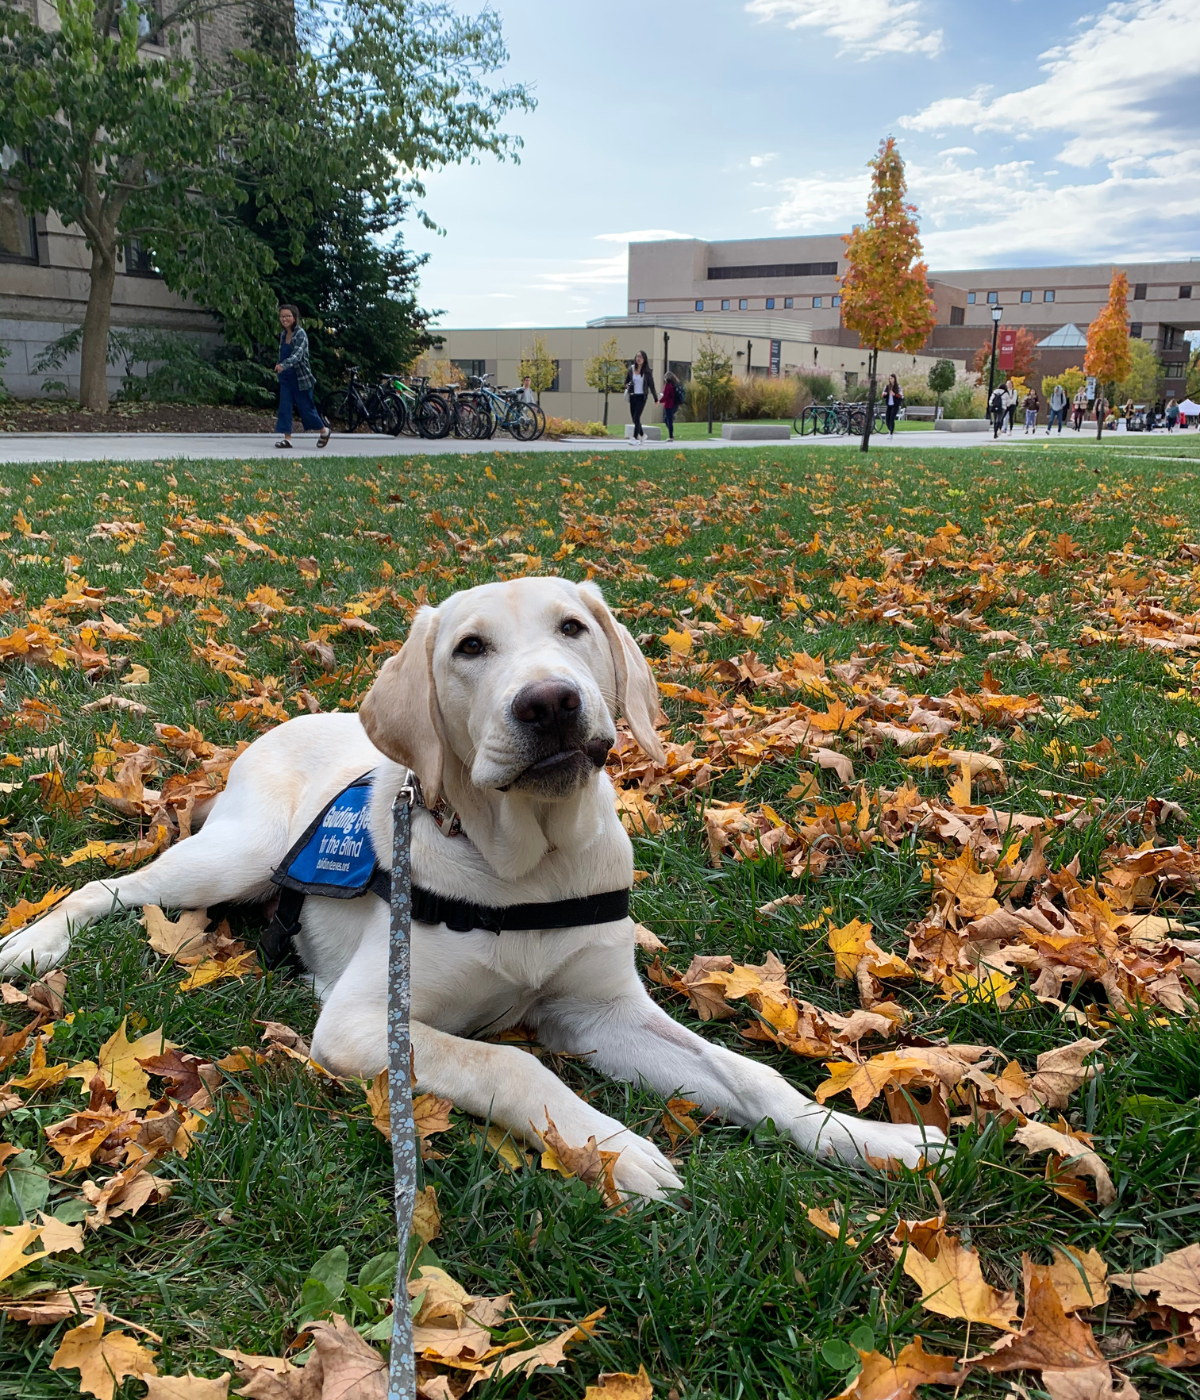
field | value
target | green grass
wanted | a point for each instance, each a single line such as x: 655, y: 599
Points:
x: 727, y: 1291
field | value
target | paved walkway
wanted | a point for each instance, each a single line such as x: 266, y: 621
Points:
x: 148, y: 447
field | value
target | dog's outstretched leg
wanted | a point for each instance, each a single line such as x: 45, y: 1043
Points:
x: 628, y: 1037
x: 231, y: 858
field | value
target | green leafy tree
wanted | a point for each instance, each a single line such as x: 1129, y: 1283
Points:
x: 122, y: 142
x: 1072, y: 380
x: 1143, y: 383
x: 885, y: 292
x: 605, y: 372
x: 538, y: 367
x: 941, y: 379
x: 712, y: 379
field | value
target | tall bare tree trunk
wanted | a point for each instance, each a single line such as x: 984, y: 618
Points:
x: 93, y: 359
x: 870, y: 423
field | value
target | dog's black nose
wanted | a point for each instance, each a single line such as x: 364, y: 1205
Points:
x: 547, y: 706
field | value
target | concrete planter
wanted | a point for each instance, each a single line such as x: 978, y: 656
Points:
x: 962, y: 425
x: 655, y: 434
x: 756, y: 432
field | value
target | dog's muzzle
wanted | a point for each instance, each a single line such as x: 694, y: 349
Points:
x: 551, y: 719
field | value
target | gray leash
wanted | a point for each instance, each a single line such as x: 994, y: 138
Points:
x: 402, y: 1378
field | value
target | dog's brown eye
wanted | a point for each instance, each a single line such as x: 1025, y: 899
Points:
x: 573, y: 628
x: 470, y: 646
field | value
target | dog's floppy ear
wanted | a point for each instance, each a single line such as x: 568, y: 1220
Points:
x: 637, y: 690
x: 400, y: 712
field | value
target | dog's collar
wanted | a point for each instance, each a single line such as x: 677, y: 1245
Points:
x: 441, y: 811
x: 460, y: 916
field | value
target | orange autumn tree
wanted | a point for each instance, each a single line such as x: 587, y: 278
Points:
x: 1108, y: 355
x: 885, y: 292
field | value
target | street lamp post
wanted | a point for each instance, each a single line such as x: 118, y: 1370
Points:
x: 997, y: 313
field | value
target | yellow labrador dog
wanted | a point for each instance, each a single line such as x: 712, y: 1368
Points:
x: 501, y: 701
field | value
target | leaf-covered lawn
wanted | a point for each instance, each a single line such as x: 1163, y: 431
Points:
x: 929, y: 795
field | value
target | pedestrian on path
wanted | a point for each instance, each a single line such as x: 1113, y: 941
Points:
x: 1010, y: 403
x: 296, y: 380
x: 1079, y: 408
x: 527, y: 395
x: 1172, y: 414
x: 893, y: 399
x: 672, y: 401
x: 639, y: 385
x: 996, y: 409
x: 1032, y: 404
x: 1058, y: 409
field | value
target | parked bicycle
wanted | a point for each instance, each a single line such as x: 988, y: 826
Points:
x: 424, y: 411
x: 350, y: 409
x: 504, y: 410
x: 835, y: 419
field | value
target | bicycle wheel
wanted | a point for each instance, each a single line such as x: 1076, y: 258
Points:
x: 524, y: 424
x: 541, y: 419
x: 399, y: 411
x: 342, y: 412
x: 380, y: 413
x: 432, y: 416
x: 466, y: 418
x: 805, y: 422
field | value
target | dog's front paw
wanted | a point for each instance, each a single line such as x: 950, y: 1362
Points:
x: 910, y: 1144
x: 42, y: 945
x: 641, y: 1169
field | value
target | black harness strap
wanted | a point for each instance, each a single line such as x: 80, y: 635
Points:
x: 462, y: 917
x: 277, y: 946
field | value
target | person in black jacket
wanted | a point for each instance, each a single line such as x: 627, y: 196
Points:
x: 893, y: 400
x: 639, y: 385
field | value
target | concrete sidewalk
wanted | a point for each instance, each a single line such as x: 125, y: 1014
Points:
x: 16, y: 448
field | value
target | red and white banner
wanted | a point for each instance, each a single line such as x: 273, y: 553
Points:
x: 1007, y: 358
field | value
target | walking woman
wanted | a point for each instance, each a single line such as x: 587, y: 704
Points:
x: 639, y: 385
x: 296, y: 380
x: 893, y: 399
x: 672, y: 399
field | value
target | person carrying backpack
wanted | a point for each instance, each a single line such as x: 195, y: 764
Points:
x: 1058, y: 408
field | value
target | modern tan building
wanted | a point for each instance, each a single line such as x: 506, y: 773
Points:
x: 797, y: 279
x: 44, y: 265
x: 757, y: 344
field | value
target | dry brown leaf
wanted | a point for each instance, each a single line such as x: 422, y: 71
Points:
x: 677, y: 1121
x: 881, y: 1378
x: 822, y: 1220
x: 620, y: 1385
x: 14, y: 1241
x: 848, y: 945
x: 1078, y: 1158
x: 1078, y: 1277
x: 101, y: 1359
x: 648, y: 939
x: 1061, y: 1072
x: 552, y: 1353
x: 188, y: 1387
x: 1048, y: 1340
x: 426, y: 1218
x: 1175, y: 1278
x: 952, y: 1285
x: 350, y: 1368
x: 182, y: 940
x: 49, y: 1309
x: 119, y: 1069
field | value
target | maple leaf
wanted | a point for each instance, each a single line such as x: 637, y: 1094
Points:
x: 182, y: 940
x: 187, y: 1387
x: 677, y: 1121
x: 881, y: 1378
x: 24, y: 911
x: 589, y: 1162
x: 1077, y: 1157
x: 118, y: 1066
x: 14, y: 1241
x: 620, y: 1385
x: 679, y: 643
x: 1048, y: 1339
x: 1175, y: 1278
x: 1078, y: 1278
x: 101, y: 1360
x: 1061, y: 1072
x: 823, y: 1221
x: 124, y: 1194
x: 848, y: 945
x: 952, y: 1285
x: 427, y: 1219
x: 551, y: 1353
x: 41, y: 1075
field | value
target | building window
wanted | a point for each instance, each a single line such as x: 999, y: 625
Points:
x: 471, y: 368
x: 1026, y: 296
x: 970, y: 298
x: 138, y: 260
x: 788, y: 303
x: 1139, y: 291
x: 837, y: 301
x: 1135, y: 330
x: 725, y: 304
x: 641, y: 305
x: 851, y: 379
x: 770, y: 303
x: 1185, y: 293
x: 681, y: 369
x: 1170, y: 337
x: 958, y: 315
x: 18, y: 237
x: 743, y: 304
x: 1047, y: 296
x: 817, y: 302
x: 699, y: 306
x: 554, y: 383
x: 993, y: 298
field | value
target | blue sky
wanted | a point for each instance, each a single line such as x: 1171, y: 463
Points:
x: 1035, y: 131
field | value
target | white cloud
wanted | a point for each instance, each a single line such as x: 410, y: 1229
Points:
x: 757, y: 162
x: 584, y: 272
x: 863, y: 28
x: 641, y: 235
x: 958, y: 151
x: 821, y: 204
x: 1125, y: 86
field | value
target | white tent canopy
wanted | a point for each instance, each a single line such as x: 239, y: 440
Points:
x: 1189, y: 406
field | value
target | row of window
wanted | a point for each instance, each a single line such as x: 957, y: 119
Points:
x: 770, y: 304
x: 1139, y: 292
x: 19, y: 241
x: 993, y: 298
